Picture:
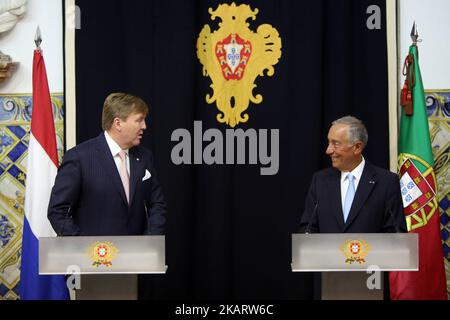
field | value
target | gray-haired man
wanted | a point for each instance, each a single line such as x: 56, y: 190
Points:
x: 353, y: 196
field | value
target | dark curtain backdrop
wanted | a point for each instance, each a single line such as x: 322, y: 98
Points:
x: 229, y: 229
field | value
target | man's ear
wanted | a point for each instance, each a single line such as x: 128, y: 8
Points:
x: 117, y: 124
x: 359, y: 146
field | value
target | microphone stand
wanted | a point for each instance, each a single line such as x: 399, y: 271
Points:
x: 308, y: 227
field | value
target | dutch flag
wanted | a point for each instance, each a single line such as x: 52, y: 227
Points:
x: 41, y: 172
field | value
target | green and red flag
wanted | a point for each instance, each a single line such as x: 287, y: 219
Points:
x: 419, y: 191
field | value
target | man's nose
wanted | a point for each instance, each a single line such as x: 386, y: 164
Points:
x: 144, y: 125
x: 329, y: 150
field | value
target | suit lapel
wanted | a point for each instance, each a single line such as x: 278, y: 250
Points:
x: 335, y: 198
x: 136, y: 168
x: 107, y: 161
x: 365, y: 187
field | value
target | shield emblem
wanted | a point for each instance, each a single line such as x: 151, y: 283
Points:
x: 415, y: 188
x: 233, y: 54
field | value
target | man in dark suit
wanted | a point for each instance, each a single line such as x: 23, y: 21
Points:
x: 108, y: 185
x: 353, y: 196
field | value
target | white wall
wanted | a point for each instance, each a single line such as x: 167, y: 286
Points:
x: 19, y: 44
x: 433, y: 22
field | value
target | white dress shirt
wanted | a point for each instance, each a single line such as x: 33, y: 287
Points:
x: 357, y: 173
x: 115, y: 149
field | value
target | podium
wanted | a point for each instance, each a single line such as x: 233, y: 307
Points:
x: 107, y: 267
x: 351, y: 263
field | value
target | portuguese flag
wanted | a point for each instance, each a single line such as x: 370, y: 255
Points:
x: 419, y: 192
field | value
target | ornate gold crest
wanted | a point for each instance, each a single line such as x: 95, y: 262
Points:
x: 233, y: 56
x: 102, y: 253
x: 355, y: 251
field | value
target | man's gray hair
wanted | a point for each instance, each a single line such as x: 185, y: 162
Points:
x: 357, y: 130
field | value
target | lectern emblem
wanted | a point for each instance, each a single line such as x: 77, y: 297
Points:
x: 102, y: 253
x: 355, y: 251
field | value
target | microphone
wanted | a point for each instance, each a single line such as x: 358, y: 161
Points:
x: 147, y: 224
x: 394, y: 221
x: 61, y: 234
x: 312, y: 218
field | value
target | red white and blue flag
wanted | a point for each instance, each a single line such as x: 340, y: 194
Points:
x: 41, y: 172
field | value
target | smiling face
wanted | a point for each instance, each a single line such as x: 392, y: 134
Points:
x: 130, y: 130
x: 345, y: 156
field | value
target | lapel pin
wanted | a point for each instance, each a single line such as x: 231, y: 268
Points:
x: 137, y: 159
x: 372, y: 182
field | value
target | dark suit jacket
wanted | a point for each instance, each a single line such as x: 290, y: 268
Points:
x: 88, y: 196
x: 376, y: 208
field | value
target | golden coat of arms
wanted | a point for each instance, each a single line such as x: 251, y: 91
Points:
x: 355, y: 251
x: 102, y: 253
x: 233, y: 57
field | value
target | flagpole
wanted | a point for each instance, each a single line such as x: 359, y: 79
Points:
x: 42, y: 168
x: 419, y: 189
x: 38, y: 39
x: 415, y: 35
